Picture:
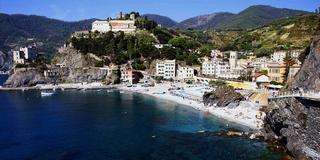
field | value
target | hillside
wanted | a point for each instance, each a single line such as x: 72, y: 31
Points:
x: 256, y: 16
x: 252, y: 17
x: 204, y: 21
x: 284, y: 34
x: 163, y: 20
x: 19, y: 29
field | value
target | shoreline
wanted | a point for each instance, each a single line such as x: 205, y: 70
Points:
x: 247, y: 119
x: 245, y: 114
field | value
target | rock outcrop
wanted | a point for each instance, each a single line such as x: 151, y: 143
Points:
x: 77, y: 75
x: 222, y: 96
x: 25, y: 77
x: 308, y: 77
x: 295, y: 122
x: 81, y: 68
x: 5, y: 61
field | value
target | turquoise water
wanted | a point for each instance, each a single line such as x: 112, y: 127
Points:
x: 101, y: 125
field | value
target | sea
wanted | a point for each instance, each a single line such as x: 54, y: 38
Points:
x: 110, y: 125
x: 3, y: 78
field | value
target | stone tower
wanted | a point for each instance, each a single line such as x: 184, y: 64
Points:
x: 132, y: 16
x: 233, y: 59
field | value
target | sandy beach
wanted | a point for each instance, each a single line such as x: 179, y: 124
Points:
x: 247, y: 113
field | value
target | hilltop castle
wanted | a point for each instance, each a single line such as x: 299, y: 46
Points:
x: 124, y: 22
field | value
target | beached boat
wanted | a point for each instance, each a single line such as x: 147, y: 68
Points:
x: 46, y: 94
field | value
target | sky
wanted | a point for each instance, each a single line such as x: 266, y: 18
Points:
x: 178, y: 10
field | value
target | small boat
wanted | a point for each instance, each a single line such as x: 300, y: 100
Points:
x: 46, y: 94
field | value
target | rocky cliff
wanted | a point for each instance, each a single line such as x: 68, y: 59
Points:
x: 25, y: 77
x: 81, y: 68
x: 5, y: 61
x: 222, y: 96
x: 308, y: 77
x: 295, y: 122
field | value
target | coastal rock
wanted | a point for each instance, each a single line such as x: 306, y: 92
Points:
x: 80, y: 67
x: 295, y: 122
x: 93, y: 74
x: 25, y: 77
x: 114, y: 77
x: 71, y: 58
x: 308, y: 78
x: 5, y: 61
x: 222, y: 96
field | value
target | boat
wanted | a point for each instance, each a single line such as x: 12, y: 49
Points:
x: 46, y: 94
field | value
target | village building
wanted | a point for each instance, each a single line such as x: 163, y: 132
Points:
x: 295, y: 53
x: 218, y: 68
x: 262, y: 81
x: 216, y: 54
x: 185, y: 72
x: 166, y: 69
x: 24, y: 54
x: 233, y: 60
x: 79, y: 34
x: 126, y: 74
x: 120, y: 24
x: 276, y: 71
x: 260, y: 63
x: 159, y: 46
x: 278, y: 56
x: 209, y: 67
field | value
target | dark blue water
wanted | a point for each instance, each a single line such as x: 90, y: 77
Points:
x: 101, y: 125
x: 3, y: 78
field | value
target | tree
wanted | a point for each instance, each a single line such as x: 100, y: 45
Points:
x: 183, y: 43
x: 206, y: 49
x: 144, y: 23
x: 263, y: 52
x: 168, y: 53
x: 162, y: 35
x: 138, y: 65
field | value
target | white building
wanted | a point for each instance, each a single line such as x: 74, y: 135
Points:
x: 166, y: 69
x: 121, y: 24
x: 126, y: 74
x: 185, y: 72
x: 216, y: 54
x: 233, y: 59
x: 209, y: 67
x: 260, y: 63
x: 18, y: 57
x: 159, y: 46
x: 278, y: 56
x: 24, y: 54
x: 295, y: 53
x: 126, y: 26
x: 220, y: 69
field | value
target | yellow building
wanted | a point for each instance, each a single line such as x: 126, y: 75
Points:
x: 276, y: 71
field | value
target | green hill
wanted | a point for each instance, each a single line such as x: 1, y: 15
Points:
x: 18, y: 29
x: 252, y: 17
x: 256, y: 16
x: 284, y: 34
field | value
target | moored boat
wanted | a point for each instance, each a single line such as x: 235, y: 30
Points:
x: 45, y: 94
